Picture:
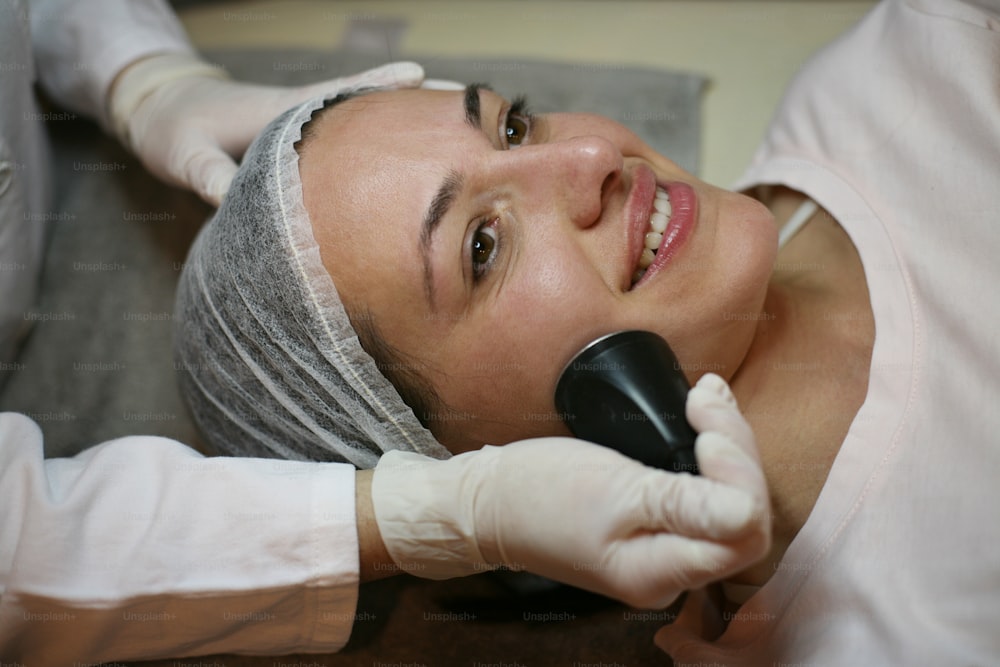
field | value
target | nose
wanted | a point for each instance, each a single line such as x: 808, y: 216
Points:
x: 575, y: 176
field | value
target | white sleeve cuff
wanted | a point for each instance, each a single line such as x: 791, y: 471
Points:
x: 143, y: 548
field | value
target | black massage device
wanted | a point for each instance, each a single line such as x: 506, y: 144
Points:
x: 626, y: 391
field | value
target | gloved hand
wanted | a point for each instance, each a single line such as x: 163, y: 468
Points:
x: 186, y: 120
x: 584, y: 514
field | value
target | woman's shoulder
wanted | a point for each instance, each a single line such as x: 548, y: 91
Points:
x: 908, y: 69
x: 983, y: 14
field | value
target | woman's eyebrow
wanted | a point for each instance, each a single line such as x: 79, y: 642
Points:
x: 446, y: 195
x: 448, y: 191
x: 471, y: 104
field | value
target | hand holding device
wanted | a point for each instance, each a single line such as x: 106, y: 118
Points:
x: 583, y: 514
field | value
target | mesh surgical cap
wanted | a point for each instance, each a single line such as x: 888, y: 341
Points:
x: 269, y: 362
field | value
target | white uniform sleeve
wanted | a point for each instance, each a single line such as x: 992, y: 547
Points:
x: 79, y: 47
x: 143, y: 548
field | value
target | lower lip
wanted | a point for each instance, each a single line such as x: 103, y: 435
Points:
x: 684, y: 213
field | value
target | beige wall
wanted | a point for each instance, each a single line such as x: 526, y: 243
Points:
x: 748, y: 49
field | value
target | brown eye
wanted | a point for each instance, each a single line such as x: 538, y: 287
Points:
x: 483, y: 249
x: 516, y: 130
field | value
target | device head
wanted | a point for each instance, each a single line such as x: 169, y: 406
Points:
x: 626, y: 391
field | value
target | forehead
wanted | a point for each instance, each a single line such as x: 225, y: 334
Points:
x: 381, y: 146
x: 369, y: 168
x: 403, y: 119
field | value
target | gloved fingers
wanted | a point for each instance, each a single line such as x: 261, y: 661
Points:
x: 725, y: 463
x: 441, y: 84
x: 391, y: 76
x: 726, y: 448
x: 697, y: 507
x: 208, y: 171
x: 700, y: 562
x: 252, y: 107
x: 402, y: 74
x: 711, y: 406
x: 656, y: 568
x: 184, y: 129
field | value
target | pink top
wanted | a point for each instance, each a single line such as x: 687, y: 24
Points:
x: 895, y: 129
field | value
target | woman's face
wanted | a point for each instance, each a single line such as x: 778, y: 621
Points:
x: 488, y: 248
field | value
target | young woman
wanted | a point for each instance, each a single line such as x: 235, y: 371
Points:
x: 475, y: 248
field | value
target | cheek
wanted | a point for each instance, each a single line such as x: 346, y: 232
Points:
x: 557, y: 308
x: 505, y: 363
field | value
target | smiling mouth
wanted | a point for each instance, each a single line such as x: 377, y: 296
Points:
x: 659, y: 218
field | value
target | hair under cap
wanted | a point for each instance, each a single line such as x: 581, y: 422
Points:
x: 269, y: 362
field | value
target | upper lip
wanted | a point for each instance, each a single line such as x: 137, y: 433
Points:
x: 638, y: 208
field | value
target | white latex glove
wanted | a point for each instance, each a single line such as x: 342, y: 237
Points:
x: 584, y: 514
x: 186, y: 120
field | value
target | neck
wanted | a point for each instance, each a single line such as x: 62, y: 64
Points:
x: 778, y: 334
x: 806, y: 371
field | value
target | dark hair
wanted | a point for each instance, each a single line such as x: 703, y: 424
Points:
x: 308, y: 129
x: 404, y: 373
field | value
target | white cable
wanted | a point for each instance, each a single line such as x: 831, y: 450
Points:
x: 798, y: 219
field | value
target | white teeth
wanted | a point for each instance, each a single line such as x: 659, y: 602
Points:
x: 662, y: 210
x: 662, y: 201
x: 658, y: 222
